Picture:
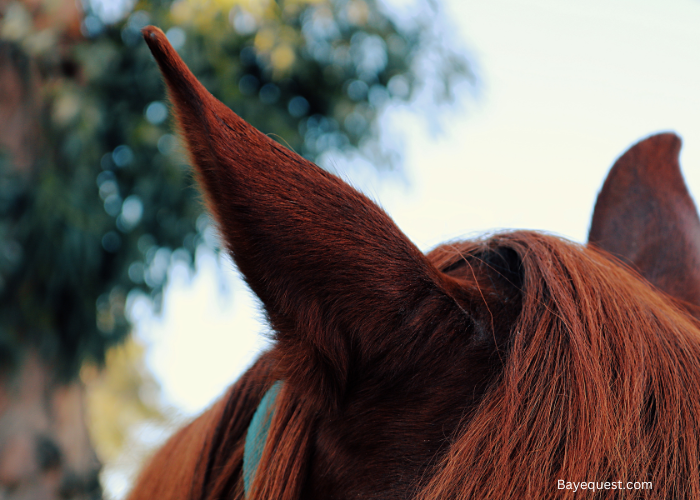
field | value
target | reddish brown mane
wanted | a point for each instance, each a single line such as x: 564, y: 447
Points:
x: 495, y: 368
x: 594, y: 387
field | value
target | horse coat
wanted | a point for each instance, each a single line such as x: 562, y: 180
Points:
x: 499, y: 368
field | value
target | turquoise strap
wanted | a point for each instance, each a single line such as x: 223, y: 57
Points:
x: 257, y: 435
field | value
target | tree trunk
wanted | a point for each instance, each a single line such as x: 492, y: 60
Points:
x: 45, y: 448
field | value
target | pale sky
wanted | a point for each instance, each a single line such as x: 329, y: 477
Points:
x: 566, y: 87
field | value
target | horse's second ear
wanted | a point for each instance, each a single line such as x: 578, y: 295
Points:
x: 645, y: 215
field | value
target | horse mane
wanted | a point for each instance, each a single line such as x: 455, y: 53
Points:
x: 204, y: 458
x: 592, y: 387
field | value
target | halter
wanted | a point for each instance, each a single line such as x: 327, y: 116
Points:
x: 257, y: 435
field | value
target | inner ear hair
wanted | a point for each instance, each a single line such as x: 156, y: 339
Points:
x: 459, y: 259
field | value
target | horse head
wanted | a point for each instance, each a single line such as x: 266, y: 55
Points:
x: 485, y: 369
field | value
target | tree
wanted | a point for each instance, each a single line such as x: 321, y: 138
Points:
x: 96, y: 199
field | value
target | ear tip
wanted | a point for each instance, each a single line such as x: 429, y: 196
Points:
x: 156, y: 41
x: 171, y: 65
x: 666, y: 143
x: 152, y: 33
x: 655, y: 157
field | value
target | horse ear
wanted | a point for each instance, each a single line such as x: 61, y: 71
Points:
x: 341, y: 284
x: 645, y: 215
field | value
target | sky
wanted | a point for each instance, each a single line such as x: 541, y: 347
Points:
x: 565, y: 88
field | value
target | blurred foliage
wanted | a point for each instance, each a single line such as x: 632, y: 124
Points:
x: 108, y: 202
x: 120, y: 396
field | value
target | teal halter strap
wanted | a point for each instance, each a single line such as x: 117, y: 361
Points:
x: 257, y: 435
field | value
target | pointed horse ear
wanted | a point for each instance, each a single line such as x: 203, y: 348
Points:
x: 343, y: 287
x: 645, y: 216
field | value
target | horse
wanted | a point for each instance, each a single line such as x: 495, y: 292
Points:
x: 518, y: 365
